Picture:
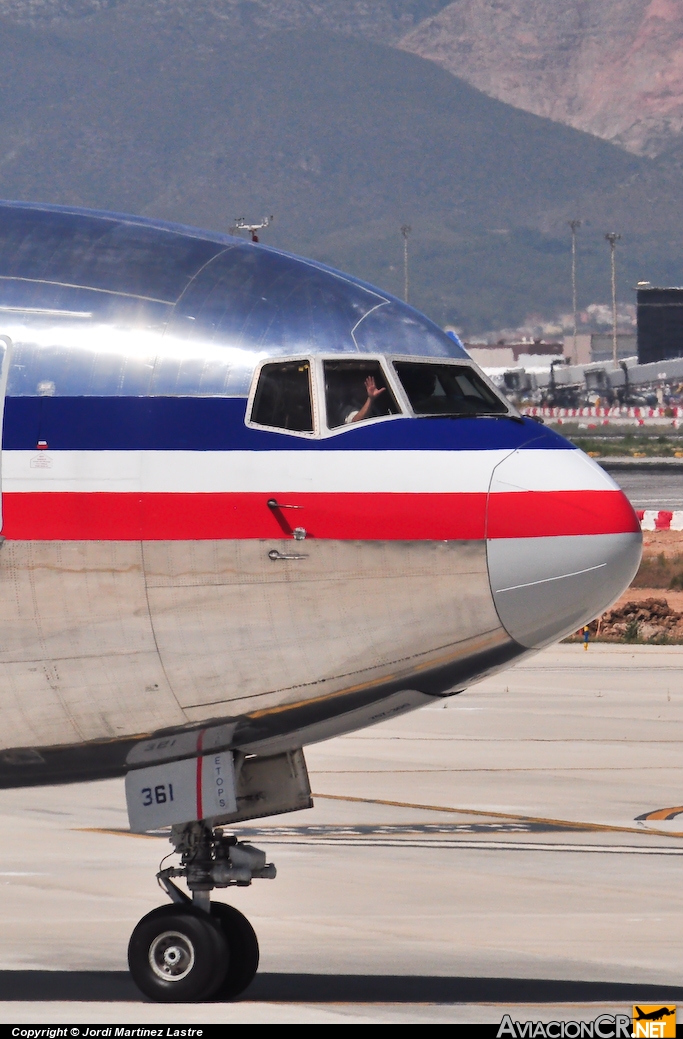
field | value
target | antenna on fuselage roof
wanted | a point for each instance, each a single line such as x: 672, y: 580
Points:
x: 242, y: 225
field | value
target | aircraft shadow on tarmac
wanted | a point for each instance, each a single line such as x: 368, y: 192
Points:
x: 117, y: 986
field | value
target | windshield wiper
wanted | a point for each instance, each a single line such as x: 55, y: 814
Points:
x: 477, y: 414
x: 513, y: 418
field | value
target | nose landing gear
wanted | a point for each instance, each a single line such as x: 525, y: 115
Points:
x: 195, y: 949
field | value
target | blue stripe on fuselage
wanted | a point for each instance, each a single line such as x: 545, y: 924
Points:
x: 217, y: 424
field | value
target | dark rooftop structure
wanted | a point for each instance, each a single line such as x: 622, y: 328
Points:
x: 660, y: 323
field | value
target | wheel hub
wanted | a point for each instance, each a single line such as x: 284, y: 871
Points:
x: 171, y: 956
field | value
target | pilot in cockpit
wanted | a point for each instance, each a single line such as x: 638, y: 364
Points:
x: 355, y: 414
x: 356, y: 391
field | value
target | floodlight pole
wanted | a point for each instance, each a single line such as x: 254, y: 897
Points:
x: 613, y: 238
x: 574, y: 225
x: 405, y: 231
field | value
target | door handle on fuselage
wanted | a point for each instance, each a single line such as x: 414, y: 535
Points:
x: 272, y: 503
x: 275, y: 555
x: 298, y: 533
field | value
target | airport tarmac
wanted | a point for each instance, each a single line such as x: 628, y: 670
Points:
x: 651, y: 490
x: 479, y: 857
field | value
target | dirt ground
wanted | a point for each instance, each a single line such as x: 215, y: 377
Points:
x: 674, y: 598
x: 651, y: 610
x: 658, y: 546
x: 670, y: 542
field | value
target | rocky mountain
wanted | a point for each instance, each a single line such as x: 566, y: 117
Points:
x: 206, y: 111
x: 613, y: 68
x: 385, y: 20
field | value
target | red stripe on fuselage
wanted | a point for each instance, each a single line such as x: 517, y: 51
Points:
x: 57, y: 516
x: 532, y: 514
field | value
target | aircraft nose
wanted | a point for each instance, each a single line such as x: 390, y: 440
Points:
x: 563, y: 543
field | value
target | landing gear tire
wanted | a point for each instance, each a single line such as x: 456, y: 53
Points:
x: 178, y: 954
x: 243, y: 950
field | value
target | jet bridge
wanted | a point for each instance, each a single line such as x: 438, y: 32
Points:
x: 566, y: 385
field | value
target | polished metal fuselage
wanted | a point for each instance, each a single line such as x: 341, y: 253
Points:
x: 106, y: 640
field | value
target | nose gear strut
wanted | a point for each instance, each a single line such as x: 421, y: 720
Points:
x: 211, y: 859
x: 197, y: 949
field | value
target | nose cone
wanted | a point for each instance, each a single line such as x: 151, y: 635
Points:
x: 563, y: 543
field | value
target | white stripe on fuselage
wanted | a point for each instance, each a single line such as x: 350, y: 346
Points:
x: 269, y: 472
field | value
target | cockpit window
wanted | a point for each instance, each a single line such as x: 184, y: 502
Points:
x: 447, y: 389
x: 356, y: 391
x: 283, y: 397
